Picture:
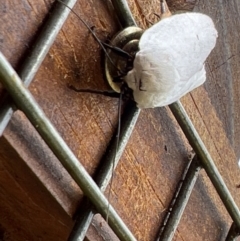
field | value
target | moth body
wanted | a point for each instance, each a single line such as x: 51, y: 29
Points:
x: 171, y: 58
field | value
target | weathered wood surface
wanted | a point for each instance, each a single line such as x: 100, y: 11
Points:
x: 223, y: 67
x: 38, y: 198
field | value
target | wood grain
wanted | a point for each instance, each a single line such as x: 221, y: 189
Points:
x: 38, y: 199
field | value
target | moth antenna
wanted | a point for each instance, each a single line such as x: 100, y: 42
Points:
x: 116, y: 148
x: 92, y: 32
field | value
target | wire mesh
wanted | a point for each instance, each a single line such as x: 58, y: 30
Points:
x: 34, y: 113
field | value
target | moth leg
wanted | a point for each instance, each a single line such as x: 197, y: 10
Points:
x: 118, y: 51
x: 165, y: 12
x: 109, y: 93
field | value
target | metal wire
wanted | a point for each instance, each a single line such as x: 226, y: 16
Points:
x: 25, y: 102
x: 180, y: 201
x: 206, y: 160
x: 130, y: 117
x: 104, y: 174
x: 123, y: 13
x: 31, y: 64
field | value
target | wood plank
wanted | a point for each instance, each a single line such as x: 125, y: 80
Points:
x: 155, y: 157
x: 223, y: 80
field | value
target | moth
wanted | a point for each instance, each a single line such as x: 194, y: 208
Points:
x: 171, y: 59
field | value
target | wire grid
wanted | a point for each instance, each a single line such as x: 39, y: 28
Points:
x: 48, y: 35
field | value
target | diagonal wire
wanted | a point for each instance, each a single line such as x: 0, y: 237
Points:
x: 25, y: 102
x: 36, y: 55
x: 206, y: 160
x: 129, y: 119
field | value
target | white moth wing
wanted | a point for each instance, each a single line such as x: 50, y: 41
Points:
x: 171, y: 59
